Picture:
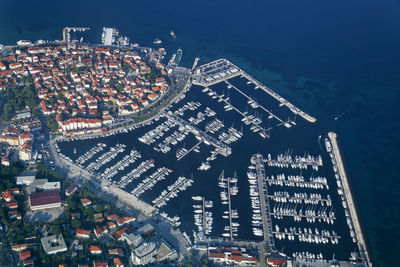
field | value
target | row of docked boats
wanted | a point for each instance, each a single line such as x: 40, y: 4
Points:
x: 232, y: 135
x: 301, y: 198
x: 175, y: 221
x: 151, y: 136
x: 300, y: 162
x: 256, y: 219
x: 150, y: 181
x: 310, y: 213
x: 173, y: 139
x: 105, y: 158
x: 340, y: 190
x: 203, y: 218
x: 135, y: 173
x: 192, y: 105
x: 298, y: 181
x: 307, y: 235
x: 308, y: 256
x: 214, y: 126
x: 88, y: 155
x: 127, y: 160
x: 229, y: 188
x: 254, y: 121
x: 200, y: 117
x: 172, y: 191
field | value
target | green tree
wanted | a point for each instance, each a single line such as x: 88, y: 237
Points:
x: 52, y: 123
x: 8, y: 109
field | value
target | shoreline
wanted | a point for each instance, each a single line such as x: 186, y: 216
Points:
x: 185, y: 88
x: 349, y: 199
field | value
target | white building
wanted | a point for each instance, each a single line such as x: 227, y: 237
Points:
x: 144, y: 254
x: 25, y: 179
x: 53, y: 244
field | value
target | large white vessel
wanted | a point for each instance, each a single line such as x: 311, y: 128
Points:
x: 157, y: 41
x: 204, y: 166
x: 328, y: 145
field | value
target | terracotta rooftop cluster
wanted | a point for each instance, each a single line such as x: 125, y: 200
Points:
x: 83, y: 81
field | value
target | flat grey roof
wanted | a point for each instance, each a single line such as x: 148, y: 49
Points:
x: 145, y: 249
x: 53, y: 244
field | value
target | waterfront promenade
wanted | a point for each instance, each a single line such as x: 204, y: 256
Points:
x: 102, y: 185
x: 349, y: 199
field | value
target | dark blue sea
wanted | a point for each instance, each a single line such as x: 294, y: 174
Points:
x: 332, y: 59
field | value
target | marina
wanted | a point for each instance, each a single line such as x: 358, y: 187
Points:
x: 199, y: 137
x: 348, y: 198
x: 229, y: 189
x: 222, y: 70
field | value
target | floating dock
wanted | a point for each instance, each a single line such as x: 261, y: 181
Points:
x: 223, y: 149
x: 249, y: 98
x: 223, y: 70
x: 349, y: 199
x: 258, y: 161
x: 283, y: 101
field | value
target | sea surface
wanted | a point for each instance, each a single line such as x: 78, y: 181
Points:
x: 331, y: 58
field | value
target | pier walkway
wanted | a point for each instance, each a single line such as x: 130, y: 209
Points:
x: 222, y: 70
x: 283, y: 101
x: 153, y: 178
x: 102, y: 185
x: 190, y: 150
x: 349, y: 199
x: 223, y: 149
x: 244, y: 115
x: 215, y: 72
x: 230, y: 208
x: 258, y: 161
x: 172, y: 191
x: 260, y: 106
x: 302, y: 215
x: 302, y: 198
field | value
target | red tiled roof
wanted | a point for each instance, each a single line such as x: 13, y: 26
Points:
x: 217, y: 255
x: 45, y: 198
x: 23, y: 255
x: 276, y: 262
x: 100, y: 263
x: 82, y: 232
x: 94, y: 248
x: 118, y: 262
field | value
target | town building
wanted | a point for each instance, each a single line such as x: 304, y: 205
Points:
x: 229, y: 255
x: 71, y: 189
x: 98, y: 263
x: 86, y: 202
x: 144, y: 254
x: 53, y: 244
x: 82, y: 233
x: 45, y: 200
x: 132, y: 239
x: 95, y: 250
x: 118, y: 262
x: 25, y: 179
x: 165, y: 252
x: 145, y: 230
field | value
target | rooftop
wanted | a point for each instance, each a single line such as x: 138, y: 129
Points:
x: 44, y: 198
x: 53, y: 244
x: 145, y: 249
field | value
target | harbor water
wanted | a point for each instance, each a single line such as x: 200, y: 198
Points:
x: 307, y: 142
x: 333, y: 60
